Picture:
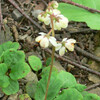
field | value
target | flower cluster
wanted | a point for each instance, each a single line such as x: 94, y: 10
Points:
x: 59, y: 20
x: 53, y: 17
x: 46, y: 40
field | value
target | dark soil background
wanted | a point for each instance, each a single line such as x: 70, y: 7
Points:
x: 16, y: 27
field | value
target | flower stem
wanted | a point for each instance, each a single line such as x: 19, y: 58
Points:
x: 52, y: 59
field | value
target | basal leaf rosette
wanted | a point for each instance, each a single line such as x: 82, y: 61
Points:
x: 12, y: 88
x: 8, y: 45
x: 11, y: 57
x: 4, y: 79
x: 19, y: 70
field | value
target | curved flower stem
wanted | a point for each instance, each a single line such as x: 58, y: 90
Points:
x: 52, y: 59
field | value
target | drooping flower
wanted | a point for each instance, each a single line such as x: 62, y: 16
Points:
x: 70, y: 44
x: 45, y: 40
x: 64, y: 45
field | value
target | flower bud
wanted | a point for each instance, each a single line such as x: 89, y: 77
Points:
x: 41, y: 18
x: 54, y: 4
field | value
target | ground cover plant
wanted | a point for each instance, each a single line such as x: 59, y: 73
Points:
x: 52, y: 84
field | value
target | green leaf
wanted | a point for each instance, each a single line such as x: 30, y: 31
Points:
x: 69, y: 94
x: 24, y: 97
x: 46, y: 70
x: 74, y: 13
x: 67, y: 79
x: 11, y: 57
x: 90, y: 96
x: 54, y: 86
x: 4, y: 80
x: 35, y: 63
x: 48, y: 61
x: 8, y: 45
x: 12, y: 88
x: 80, y: 87
x: 31, y: 88
x: 19, y: 70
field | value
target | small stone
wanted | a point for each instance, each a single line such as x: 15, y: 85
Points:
x: 95, y: 91
x: 58, y: 66
x: 84, y: 60
x: 13, y: 97
x: 94, y: 78
x: 35, y: 13
x: 31, y: 77
x: 17, y: 15
x: 70, y: 66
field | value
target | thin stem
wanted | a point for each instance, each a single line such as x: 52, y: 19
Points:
x: 52, y: 59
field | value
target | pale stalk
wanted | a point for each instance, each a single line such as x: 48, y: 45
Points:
x: 52, y: 59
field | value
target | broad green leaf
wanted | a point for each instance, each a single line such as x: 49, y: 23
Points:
x: 90, y: 96
x: 35, y: 63
x: 8, y: 45
x: 46, y: 70
x: 54, y: 87
x: 12, y: 88
x: 19, y: 70
x: 31, y: 88
x: 24, y: 97
x: 69, y: 94
x: 80, y: 87
x: 67, y: 79
x: 74, y: 13
x: 11, y: 57
x: 4, y: 79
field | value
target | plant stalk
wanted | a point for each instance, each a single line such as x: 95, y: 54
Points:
x: 52, y: 59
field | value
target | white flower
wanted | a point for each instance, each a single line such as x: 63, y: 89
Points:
x: 66, y: 43
x: 45, y: 40
x: 70, y: 44
x: 47, y: 19
x: 44, y: 18
x: 63, y: 21
x: 54, y: 4
x: 62, y: 51
x: 56, y: 12
x: 40, y: 17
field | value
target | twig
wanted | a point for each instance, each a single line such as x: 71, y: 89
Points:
x: 22, y: 12
x: 81, y: 6
x: 88, y: 55
x: 44, y: 2
x: 74, y: 63
x: 27, y: 13
x: 92, y: 86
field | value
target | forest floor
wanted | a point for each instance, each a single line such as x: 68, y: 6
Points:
x: 83, y: 63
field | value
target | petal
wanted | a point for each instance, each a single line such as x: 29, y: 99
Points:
x: 53, y: 41
x: 71, y: 41
x: 42, y: 33
x: 44, y: 42
x: 70, y: 47
x: 64, y: 39
x: 62, y: 51
x: 58, y: 46
x: 56, y: 12
x: 47, y: 19
x: 39, y: 38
